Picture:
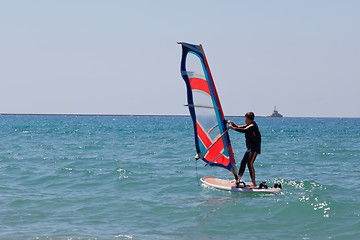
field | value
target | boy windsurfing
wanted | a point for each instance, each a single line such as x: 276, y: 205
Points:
x: 253, y: 144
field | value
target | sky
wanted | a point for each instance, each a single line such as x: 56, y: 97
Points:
x: 122, y: 57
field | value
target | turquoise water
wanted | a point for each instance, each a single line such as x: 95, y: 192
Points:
x: 135, y: 177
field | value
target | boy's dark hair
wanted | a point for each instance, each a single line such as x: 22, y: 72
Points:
x: 250, y: 115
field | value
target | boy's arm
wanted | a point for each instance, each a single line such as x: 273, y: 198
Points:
x: 235, y: 125
x: 241, y: 129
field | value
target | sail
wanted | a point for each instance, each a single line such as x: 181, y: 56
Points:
x: 212, y: 141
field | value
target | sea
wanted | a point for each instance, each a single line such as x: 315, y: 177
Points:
x: 135, y: 177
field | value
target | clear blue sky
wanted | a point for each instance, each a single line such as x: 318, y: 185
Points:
x: 121, y: 57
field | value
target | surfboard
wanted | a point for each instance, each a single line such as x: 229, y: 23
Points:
x: 229, y: 185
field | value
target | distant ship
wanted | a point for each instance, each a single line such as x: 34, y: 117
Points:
x: 275, y: 113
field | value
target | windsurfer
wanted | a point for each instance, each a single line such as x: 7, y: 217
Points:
x: 253, y: 144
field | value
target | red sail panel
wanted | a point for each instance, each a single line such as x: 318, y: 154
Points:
x: 199, y: 84
x: 214, y: 154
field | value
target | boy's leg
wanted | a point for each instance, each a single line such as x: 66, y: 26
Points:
x: 250, y: 164
x: 243, y: 165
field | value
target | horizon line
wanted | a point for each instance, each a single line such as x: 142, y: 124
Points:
x: 175, y: 115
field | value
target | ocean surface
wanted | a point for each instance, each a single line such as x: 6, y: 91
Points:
x: 135, y: 177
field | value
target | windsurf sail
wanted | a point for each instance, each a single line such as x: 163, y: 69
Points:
x: 212, y: 140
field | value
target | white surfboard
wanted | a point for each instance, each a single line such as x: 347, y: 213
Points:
x: 229, y: 185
